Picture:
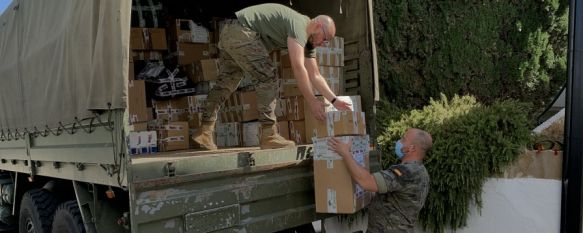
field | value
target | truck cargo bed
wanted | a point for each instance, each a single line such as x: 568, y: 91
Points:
x: 197, y: 162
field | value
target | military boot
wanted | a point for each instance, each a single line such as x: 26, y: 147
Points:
x: 270, y: 138
x: 204, y: 137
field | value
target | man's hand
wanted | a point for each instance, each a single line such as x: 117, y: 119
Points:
x: 342, y: 105
x: 317, y: 108
x: 343, y: 149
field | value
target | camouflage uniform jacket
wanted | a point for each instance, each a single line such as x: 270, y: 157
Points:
x: 402, y: 192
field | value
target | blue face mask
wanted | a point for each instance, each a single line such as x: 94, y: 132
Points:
x: 398, y: 151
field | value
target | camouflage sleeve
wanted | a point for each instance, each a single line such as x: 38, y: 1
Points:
x: 387, y: 180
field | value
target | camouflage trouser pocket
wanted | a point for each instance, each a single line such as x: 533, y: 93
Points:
x: 246, y: 48
x: 243, y: 50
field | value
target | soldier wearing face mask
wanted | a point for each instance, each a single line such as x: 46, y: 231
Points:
x: 401, y: 189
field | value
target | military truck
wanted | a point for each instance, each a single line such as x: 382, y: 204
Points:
x: 64, y: 159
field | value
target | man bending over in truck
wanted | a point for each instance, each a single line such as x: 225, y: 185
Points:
x: 245, y: 44
x: 401, y: 189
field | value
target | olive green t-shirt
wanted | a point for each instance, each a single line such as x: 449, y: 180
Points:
x: 275, y: 23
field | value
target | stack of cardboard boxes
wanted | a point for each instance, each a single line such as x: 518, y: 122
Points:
x: 335, y: 190
x: 166, y: 125
x: 191, y: 48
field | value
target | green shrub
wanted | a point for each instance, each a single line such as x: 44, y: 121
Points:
x: 488, y: 49
x: 472, y: 142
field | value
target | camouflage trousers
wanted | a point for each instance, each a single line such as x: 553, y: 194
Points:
x: 241, y: 50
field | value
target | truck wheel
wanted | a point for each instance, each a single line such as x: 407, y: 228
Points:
x: 36, y: 211
x: 68, y: 219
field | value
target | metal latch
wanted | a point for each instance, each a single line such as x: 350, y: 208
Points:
x: 170, y: 169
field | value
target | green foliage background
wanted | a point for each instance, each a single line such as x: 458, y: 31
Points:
x: 472, y: 142
x: 501, y: 52
x: 490, y: 49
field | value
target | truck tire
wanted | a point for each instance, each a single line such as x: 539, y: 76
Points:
x: 36, y: 211
x: 68, y: 218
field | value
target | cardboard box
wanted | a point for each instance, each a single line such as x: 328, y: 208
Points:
x: 147, y: 55
x: 228, y: 134
x: 139, y: 127
x: 174, y: 136
x: 281, y: 109
x: 251, y: 133
x: 333, y: 76
x: 283, y: 129
x: 240, y: 107
x: 144, y: 142
x: 131, y: 71
x: 288, y: 85
x: 330, y: 56
x: 203, y: 70
x: 172, y: 110
x: 333, y: 55
x: 138, y: 110
x: 321, y: 150
x: 148, y: 39
x: 297, y: 130
x: 337, y: 43
x: 335, y: 190
x: 337, y: 123
x: 185, y: 30
x: 196, y: 103
x: 189, y: 53
x: 295, y: 108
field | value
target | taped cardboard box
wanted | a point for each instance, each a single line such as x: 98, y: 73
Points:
x: 185, y: 30
x: 337, y: 123
x: 297, y: 130
x: 330, y: 56
x: 251, y: 133
x: 335, y: 190
x: 240, y: 107
x: 174, y: 136
x: 281, y: 109
x: 335, y: 48
x: 144, y: 142
x: 228, y: 134
x: 295, y: 108
x: 321, y: 149
x: 189, y: 53
x: 138, y: 110
x: 172, y: 110
x: 289, y: 85
x: 333, y: 76
x: 148, y: 39
x: 203, y: 70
